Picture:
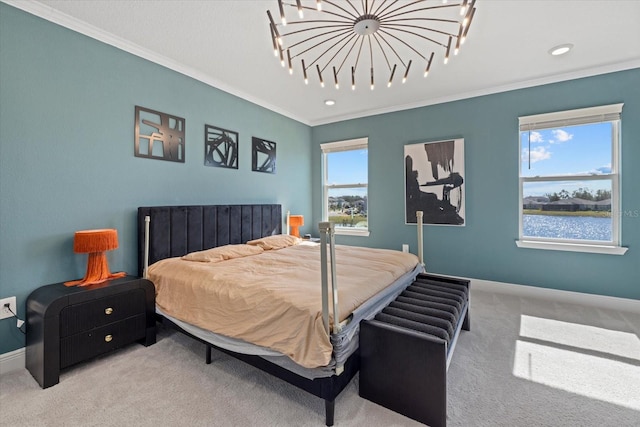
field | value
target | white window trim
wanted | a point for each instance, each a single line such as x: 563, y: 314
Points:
x: 334, y: 147
x: 566, y: 118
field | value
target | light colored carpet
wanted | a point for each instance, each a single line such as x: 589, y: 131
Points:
x: 525, y: 362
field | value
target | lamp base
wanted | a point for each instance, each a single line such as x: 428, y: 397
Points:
x: 97, y: 271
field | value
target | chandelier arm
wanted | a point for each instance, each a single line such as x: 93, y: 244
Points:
x: 408, y: 45
x: 341, y: 29
x: 403, y: 6
x: 346, y: 22
x: 417, y: 10
x: 338, y: 51
x: 354, y: 8
x: 326, y: 51
x: 341, y: 8
x: 320, y: 43
x: 384, y: 54
x: 378, y: 12
x: 393, y: 50
x: 420, y: 28
x: 350, y: 50
x: 389, y: 21
x: 348, y: 16
x: 417, y: 35
x: 359, y: 52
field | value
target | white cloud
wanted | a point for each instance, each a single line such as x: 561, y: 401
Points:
x: 535, y: 137
x: 561, y: 135
x: 536, y: 155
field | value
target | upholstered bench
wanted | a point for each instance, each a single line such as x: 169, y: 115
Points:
x: 406, y: 349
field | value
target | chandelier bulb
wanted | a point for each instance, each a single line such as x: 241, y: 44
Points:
x: 282, y: 18
x: 392, y: 73
x: 406, y: 73
x: 319, y: 5
x: 300, y: 14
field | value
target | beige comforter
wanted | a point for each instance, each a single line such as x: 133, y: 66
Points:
x: 274, y: 299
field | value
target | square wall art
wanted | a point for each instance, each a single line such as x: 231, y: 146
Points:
x: 263, y: 155
x: 159, y: 135
x: 220, y: 147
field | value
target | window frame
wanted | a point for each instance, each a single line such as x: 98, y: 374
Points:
x: 601, y: 114
x: 334, y: 147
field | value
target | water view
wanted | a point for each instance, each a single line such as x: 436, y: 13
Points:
x: 567, y: 227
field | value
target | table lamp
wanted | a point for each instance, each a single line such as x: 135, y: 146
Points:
x: 95, y: 243
x: 295, y: 221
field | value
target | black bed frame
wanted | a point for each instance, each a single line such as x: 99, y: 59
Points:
x: 177, y: 230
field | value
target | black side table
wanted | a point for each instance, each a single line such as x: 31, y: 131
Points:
x: 68, y: 325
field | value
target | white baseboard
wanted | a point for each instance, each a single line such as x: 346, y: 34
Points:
x: 590, y: 300
x: 12, y: 361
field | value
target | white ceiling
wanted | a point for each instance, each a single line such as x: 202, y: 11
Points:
x: 227, y: 44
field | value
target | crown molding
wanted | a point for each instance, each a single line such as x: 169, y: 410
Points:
x: 55, y: 16
x: 588, y: 72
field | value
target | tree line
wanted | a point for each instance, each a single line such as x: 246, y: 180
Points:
x: 580, y: 193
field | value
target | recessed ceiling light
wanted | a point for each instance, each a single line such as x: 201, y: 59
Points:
x: 329, y: 102
x: 560, y: 49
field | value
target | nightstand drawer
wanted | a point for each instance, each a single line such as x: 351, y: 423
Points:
x: 85, y: 345
x: 93, y: 314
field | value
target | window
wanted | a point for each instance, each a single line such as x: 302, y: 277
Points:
x: 344, y: 182
x: 569, y: 180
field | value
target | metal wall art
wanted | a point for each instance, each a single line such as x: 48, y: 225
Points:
x: 220, y: 147
x: 159, y: 135
x: 434, y: 182
x: 263, y: 155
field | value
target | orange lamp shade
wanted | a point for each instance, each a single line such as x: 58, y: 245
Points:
x: 95, y: 243
x: 295, y: 221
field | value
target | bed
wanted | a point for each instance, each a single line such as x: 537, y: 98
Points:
x: 321, y: 361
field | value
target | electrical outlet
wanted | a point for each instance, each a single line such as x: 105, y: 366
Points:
x: 4, y: 311
x: 405, y: 248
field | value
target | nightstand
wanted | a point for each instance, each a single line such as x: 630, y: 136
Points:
x: 68, y: 325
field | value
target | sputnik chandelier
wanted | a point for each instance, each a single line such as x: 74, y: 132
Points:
x: 335, y: 37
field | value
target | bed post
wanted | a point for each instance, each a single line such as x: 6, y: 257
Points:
x: 326, y: 228
x: 334, y: 282
x: 419, y: 231
x: 147, y: 219
x: 288, y: 222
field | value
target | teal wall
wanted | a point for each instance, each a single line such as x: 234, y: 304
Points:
x: 66, y: 152
x: 66, y: 163
x: 485, y: 248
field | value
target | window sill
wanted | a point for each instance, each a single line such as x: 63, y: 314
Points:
x: 351, y: 232
x: 572, y: 247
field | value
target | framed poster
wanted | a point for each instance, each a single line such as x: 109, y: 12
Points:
x: 434, y: 182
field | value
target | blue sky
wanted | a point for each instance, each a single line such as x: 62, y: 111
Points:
x: 348, y: 167
x: 571, y: 150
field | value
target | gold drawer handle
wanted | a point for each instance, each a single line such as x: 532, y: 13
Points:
x: 108, y: 311
x: 108, y: 338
